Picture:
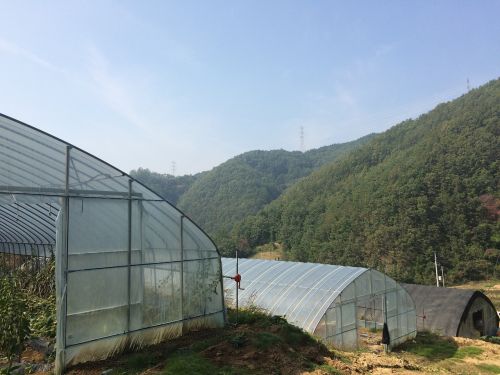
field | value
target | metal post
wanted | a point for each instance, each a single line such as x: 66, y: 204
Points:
x: 237, y: 302
x: 182, y: 272
x: 62, y: 275
x: 436, y: 265
x: 129, y: 249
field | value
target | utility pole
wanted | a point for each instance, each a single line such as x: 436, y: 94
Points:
x: 468, y: 85
x: 442, y: 275
x: 436, y: 265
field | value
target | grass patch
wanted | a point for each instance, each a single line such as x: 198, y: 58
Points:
x: 295, y: 336
x: 328, y: 369
x: 468, y: 351
x: 249, y: 316
x: 140, y: 361
x: 201, y: 345
x: 486, y: 367
x: 264, y: 340
x: 431, y: 346
x: 189, y: 363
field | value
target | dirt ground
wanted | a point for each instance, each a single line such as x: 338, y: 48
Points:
x: 274, y: 347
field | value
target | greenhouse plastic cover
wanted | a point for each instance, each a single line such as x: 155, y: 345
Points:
x: 326, y: 300
x: 131, y: 269
x: 300, y: 291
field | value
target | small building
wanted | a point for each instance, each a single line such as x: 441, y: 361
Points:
x: 340, y: 305
x: 453, y: 312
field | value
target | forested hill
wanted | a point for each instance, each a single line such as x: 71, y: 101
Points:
x: 168, y: 186
x: 426, y: 185
x: 241, y: 186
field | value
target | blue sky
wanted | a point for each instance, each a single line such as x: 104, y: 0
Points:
x: 145, y: 83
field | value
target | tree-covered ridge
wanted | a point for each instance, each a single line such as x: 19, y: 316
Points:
x: 416, y: 189
x: 244, y: 184
x: 167, y: 186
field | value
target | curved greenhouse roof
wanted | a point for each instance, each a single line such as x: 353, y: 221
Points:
x: 331, y: 302
x: 453, y: 312
x: 131, y: 269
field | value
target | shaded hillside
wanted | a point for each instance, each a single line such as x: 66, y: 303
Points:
x: 167, y: 186
x: 246, y: 183
x: 411, y: 191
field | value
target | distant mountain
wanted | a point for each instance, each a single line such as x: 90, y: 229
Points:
x: 167, y: 186
x: 426, y: 185
x: 244, y: 184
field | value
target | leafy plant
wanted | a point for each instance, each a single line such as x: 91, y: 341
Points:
x: 14, y: 323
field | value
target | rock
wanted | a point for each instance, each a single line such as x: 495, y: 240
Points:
x: 107, y: 372
x: 18, y: 369
x: 41, y: 345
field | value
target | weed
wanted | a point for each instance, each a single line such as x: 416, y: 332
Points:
x: 250, y: 315
x: 468, y: 351
x: 201, y: 345
x: 264, y: 340
x: 492, y: 339
x: 328, y: 369
x: 189, y: 363
x: 488, y: 367
x: 238, y: 340
x: 295, y: 336
x: 140, y: 361
x: 431, y: 346
x: 14, y: 323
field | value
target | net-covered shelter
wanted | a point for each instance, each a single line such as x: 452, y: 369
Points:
x: 453, y: 312
x: 337, y: 304
x: 131, y: 269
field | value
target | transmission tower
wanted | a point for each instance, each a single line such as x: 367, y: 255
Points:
x: 173, y: 168
x: 302, y: 146
x: 468, y: 85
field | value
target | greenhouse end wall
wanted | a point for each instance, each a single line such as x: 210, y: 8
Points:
x: 370, y: 300
x: 131, y: 269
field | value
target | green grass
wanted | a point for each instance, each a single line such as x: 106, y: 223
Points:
x: 431, y: 346
x: 328, y: 369
x: 190, y: 363
x: 295, y: 336
x: 468, y: 351
x: 140, y: 361
x: 201, y: 345
x: 251, y: 316
x: 486, y: 367
x: 265, y: 340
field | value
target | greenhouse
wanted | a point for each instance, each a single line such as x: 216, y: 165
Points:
x: 453, y: 311
x: 338, y: 304
x: 131, y: 269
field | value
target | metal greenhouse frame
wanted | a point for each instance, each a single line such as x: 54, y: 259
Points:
x: 331, y: 302
x: 131, y: 269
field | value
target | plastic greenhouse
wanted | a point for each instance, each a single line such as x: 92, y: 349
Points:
x: 335, y: 303
x: 131, y: 269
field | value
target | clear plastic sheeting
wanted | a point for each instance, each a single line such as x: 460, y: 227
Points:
x: 131, y: 269
x: 335, y: 303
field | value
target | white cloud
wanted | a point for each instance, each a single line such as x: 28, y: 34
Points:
x: 13, y: 49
